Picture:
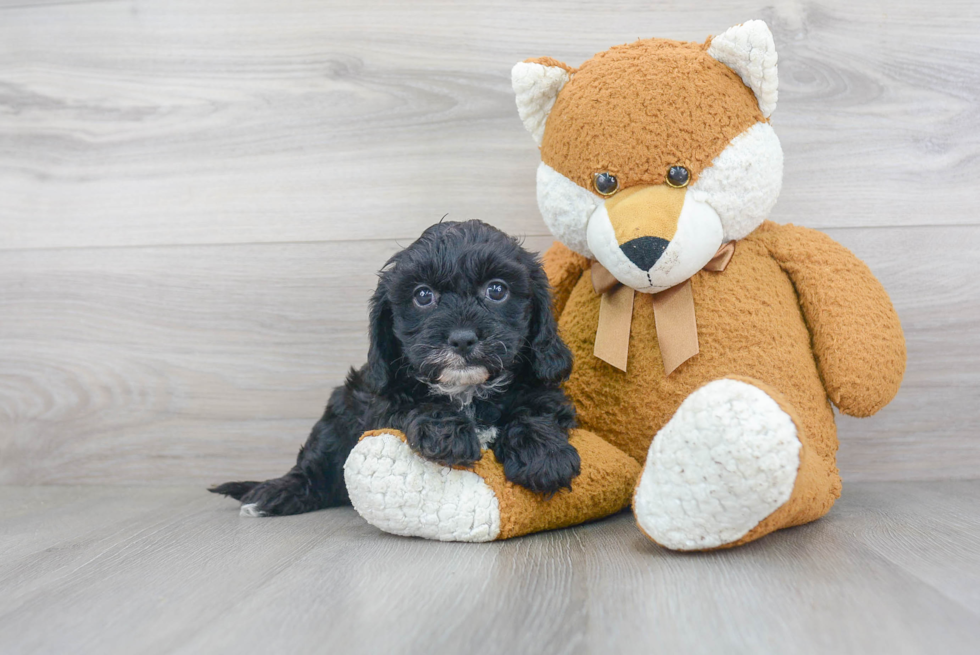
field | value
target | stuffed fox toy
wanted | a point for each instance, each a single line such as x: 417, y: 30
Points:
x: 709, y: 343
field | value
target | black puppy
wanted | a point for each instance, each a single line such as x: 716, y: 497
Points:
x: 463, y: 347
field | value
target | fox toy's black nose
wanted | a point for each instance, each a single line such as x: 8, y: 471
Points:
x: 462, y: 341
x: 644, y: 251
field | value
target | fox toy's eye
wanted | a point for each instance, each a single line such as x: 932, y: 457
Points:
x: 605, y: 184
x: 678, y: 177
x: 497, y: 291
x: 423, y: 296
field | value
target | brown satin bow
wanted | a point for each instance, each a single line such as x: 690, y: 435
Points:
x: 673, y: 313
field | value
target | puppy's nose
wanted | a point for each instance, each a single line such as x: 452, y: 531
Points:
x: 644, y: 251
x: 462, y: 341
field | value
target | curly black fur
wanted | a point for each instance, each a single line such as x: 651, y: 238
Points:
x: 507, y: 375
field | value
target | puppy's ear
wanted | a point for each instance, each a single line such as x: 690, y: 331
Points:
x: 383, y: 349
x: 550, y: 358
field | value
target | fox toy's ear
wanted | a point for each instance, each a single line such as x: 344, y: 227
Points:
x: 748, y: 49
x: 537, y: 83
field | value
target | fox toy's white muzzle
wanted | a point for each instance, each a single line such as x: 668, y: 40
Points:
x: 652, y: 238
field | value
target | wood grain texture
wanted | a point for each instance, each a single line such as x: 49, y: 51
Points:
x: 893, y: 568
x: 236, y: 121
x: 195, y: 364
x: 194, y: 197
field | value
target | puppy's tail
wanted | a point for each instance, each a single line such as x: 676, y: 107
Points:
x: 234, y: 490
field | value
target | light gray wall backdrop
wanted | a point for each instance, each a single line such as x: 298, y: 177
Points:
x: 194, y: 197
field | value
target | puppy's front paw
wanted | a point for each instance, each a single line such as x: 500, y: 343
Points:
x: 449, y: 440
x: 543, y: 471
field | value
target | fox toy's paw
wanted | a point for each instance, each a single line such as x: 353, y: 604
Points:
x: 400, y: 492
x: 720, y: 469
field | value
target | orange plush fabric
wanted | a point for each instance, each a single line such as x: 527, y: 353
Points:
x: 749, y: 324
x: 860, y: 354
x: 785, y: 288
x: 794, y: 313
x: 563, y: 268
x: 604, y: 487
x: 640, y: 108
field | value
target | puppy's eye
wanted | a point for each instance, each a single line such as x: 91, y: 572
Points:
x: 423, y: 296
x: 605, y: 184
x: 678, y: 177
x: 497, y: 291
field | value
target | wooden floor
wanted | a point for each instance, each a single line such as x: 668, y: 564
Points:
x: 895, y: 568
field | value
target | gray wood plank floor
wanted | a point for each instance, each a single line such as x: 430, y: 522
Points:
x: 895, y: 568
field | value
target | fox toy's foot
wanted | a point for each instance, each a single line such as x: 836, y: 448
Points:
x: 399, y: 492
x: 728, y: 468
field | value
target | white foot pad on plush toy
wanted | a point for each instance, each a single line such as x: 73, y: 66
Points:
x: 398, y: 491
x: 725, y: 461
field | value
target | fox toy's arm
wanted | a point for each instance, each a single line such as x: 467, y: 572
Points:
x: 563, y: 268
x: 857, y: 338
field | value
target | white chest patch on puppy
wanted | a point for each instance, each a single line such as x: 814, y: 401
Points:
x: 465, y: 384
x: 486, y: 436
x: 467, y: 376
x: 460, y: 384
